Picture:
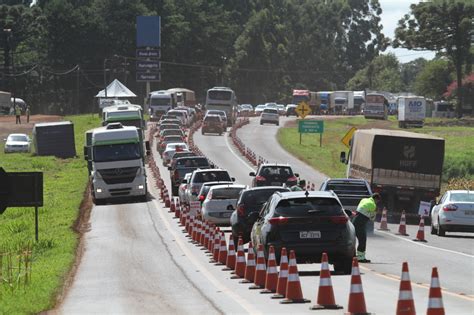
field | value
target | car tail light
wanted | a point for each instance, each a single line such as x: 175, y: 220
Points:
x: 241, y: 210
x: 278, y: 221
x: 260, y: 178
x: 292, y: 179
x: 201, y: 197
x: 450, y: 207
x: 341, y: 219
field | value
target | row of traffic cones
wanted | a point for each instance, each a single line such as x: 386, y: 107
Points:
x: 402, y: 230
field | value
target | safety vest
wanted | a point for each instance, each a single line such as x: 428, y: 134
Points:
x: 296, y: 188
x: 367, y: 207
x: 18, y: 111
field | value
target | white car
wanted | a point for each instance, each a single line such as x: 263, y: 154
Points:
x: 181, y: 114
x: 259, y: 109
x: 17, y: 142
x: 182, y: 189
x: 270, y: 116
x: 281, y: 109
x: 171, y: 149
x: 453, y: 213
x: 220, y: 202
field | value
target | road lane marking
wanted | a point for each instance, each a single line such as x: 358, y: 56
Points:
x: 423, y: 245
x: 209, y: 276
x: 237, y: 156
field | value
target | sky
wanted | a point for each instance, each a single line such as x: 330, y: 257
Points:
x: 392, y: 11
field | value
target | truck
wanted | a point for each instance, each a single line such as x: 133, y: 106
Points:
x: 404, y: 167
x: 160, y: 102
x: 411, y: 111
x: 342, y: 102
x: 376, y: 106
x: 323, y: 99
x: 115, y: 158
x: 5, y: 103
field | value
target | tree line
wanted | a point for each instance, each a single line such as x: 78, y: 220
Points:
x: 57, y: 53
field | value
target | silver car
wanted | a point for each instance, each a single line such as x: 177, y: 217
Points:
x: 17, y: 142
x: 182, y: 189
x: 220, y: 202
x: 270, y: 116
x: 453, y: 213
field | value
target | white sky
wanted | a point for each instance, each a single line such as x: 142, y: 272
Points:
x: 392, y: 11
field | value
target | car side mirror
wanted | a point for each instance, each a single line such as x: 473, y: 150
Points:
x: 342, y: 157
x: 232, y: 179
x: 297, y: 175
x: 252, y: 174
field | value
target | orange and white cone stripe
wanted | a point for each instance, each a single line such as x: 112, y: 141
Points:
x: 383, y: 221
x: 293, y: 294
x: 435, y: 301
x: 260, y: 270
x: 356, y: 295
x: 402, y: 229
x: 230, y: 262
x: 250, y: 267
x: 240, y: 261
x: 406, y: 304
x: 420, y: 235
x: 272, y: 273
x: 282, y: 276
x: 222, y: 250
x: 325, y: 299
x: 217, y: 245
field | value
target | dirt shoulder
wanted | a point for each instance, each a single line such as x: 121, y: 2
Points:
x: 8, y: 125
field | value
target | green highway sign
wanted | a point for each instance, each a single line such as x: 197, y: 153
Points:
x: 311, y: 126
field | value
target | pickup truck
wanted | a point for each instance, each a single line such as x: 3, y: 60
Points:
x: 183, y: 165
x: 349, y: 190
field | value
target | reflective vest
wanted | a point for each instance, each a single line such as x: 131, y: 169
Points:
x: 367, y: 207
x: 18, y: 111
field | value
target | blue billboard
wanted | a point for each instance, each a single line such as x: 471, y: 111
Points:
x: 148, y: 31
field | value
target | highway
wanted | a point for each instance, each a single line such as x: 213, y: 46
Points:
x: 137, y: 260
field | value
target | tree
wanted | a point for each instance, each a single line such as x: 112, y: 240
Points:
x: 440, y: 25
x: 433, y: 79
x: 409, y: 71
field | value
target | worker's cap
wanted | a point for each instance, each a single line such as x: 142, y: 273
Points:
x: 376, y: 196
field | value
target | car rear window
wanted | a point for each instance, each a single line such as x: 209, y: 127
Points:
x: 306, y: 207
x: 270, y: 111
x: 225, y: 193
x: 192, y: 162
x: 212, y: 118
x: 276, y: 170
x: 173, y: 139
x: 254, y: 199
x: 211, y: 176
x: 352, y: 188
x: 462, y: 197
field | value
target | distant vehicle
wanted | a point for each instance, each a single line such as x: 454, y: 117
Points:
x: 207, y: 186
x: 220, y: 113
x: 5, y: 103
x: 246, y: 109
x: 324, y: 98
x: 341, y: 102
x: 183, y: 165
x: 404, y: 167
x: 273, y: 174
x: 17, y: 142
x: 271, y: 105
x: 359, y: 101
x: 270, y: 116
x: 201, y: 176
x: 223, y: 98
x: 350, y: 191
x: 310, y: 223
x: 183, y: 187
x: 291, y: 110
x: 161, y: 144
x: 411, y: 111
x: 169, y: 126
x: 171, y: 132
x: 160, y: 102
x: 281, y: 109
x: 259, y: 109
x: 453, y: 213
x: 220, y: 202
x: 214, y: 124
x: 376, y: 106
x: 171, y: 149
x: 127, y: 115
x: 308, y: 97
x: 182, y: 115
x: 250, y: 201
x: 184, y: 97
x: 443, y: 110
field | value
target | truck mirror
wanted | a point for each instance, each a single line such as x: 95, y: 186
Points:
x: 252, y: 174
x: 86, y: 157
x: 342, y: 157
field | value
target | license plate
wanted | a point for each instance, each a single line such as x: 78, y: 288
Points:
x: 310, y: 234
x: 275, y: 183
x: 226, y: 214
x: 469, y: 212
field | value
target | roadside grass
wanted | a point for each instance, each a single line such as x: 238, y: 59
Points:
x: 53, y: 255
x: 459, y: 141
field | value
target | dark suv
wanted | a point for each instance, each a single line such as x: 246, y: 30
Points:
x: 212, y: 123
x: 274, y: 175
x: 250, y: 201
x: 310, y: 223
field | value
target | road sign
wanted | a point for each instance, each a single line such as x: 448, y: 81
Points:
x: 149, y: 76
x: 148, y: 31
x: 311, y: 126
x: 303, y: 110
x: 152, y: 65
x: 348, y: 136
x: 148, y: 53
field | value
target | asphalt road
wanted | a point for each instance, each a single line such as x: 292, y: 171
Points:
x: 137, y: 260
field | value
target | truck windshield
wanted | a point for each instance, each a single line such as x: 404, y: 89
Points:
x: 117, y: 152
x: 159, y: 101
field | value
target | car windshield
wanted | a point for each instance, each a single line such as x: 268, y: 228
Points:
x: 211, y: 176
x: 302, y: 207
x: 172, y: 132
x: 192, y: 162
x: 462, y: 197
x: 226, y: 193
x: 276, y: 170
x: 116, y: 152
x: 270, y: 111
x: 159, y: 101
x: 18, y: 138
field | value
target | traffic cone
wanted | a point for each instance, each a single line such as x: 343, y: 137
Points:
x: 205, y: 238
x: 325, y: 298
x: 420, y: 235
x: 356, y: 295
x: 435, y: 301
x: 190, y: 226
x: 210, y: 242
x: 272, y: 273
x: 293, y: 286
x: 177, y: 212
x: 250, y: 267
x: 172, y: 206
x: 383, y: 221
x: 260, y: 270
x: 203, y: 233
x: 282, y: 276
x: 222, y: 251
x: 402, y: 229
x: 230, y: 262
x: 240, y: 261
x: 217, y: 246
x: 406, y: 304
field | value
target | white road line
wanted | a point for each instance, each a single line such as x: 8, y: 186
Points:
x: 423, y: 245
x: 235, y: 154
x: 209, y: 276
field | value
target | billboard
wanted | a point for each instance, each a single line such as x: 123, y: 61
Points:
x: 148, y: 31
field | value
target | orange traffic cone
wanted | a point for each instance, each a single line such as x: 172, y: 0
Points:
x: 383, y: 221
x: 172, y: 206
x: 240, y: 261
x: 250, y: 267
x: 282, y: 276
x: 402, y: 229
x: 222, y: 251
x: 325, y: 298
x: 190, y: 226
x: 293, y: 286
x: 217, y: 246
x: 210, y: 243
x: 405, y: 304
x: 230, y: 262
x: 205, y: 240
x: 356, y: 295
x: 260, y: 270
x: 435, y: 302
x: 420, y: 235
x: 203, y: 233
x: 272, y: 273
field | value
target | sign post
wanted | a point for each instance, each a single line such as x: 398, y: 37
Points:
x: 311, y: 126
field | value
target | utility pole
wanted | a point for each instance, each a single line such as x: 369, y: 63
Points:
x: 6, y: 57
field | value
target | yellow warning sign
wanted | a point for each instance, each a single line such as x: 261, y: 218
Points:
x: 303, y: 110
x: 348, y: 136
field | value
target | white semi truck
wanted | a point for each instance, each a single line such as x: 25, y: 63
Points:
x: 411, y: 111
x: 342, y: 102
x: 116, y: 162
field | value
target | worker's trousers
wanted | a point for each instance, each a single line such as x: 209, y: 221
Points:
x: 360, y: 223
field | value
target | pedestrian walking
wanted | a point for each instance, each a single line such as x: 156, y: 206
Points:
x: 27, y: 113
x: 18, y: 114
x: 365, y: 212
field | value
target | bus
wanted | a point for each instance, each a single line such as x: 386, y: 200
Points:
x: 223, y: 98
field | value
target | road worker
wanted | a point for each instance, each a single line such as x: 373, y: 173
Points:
x: 300, y: 187
x: 365, y: 212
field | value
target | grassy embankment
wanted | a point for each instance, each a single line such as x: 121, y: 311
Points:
x: 64, y: 183
x: 458, y: 161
